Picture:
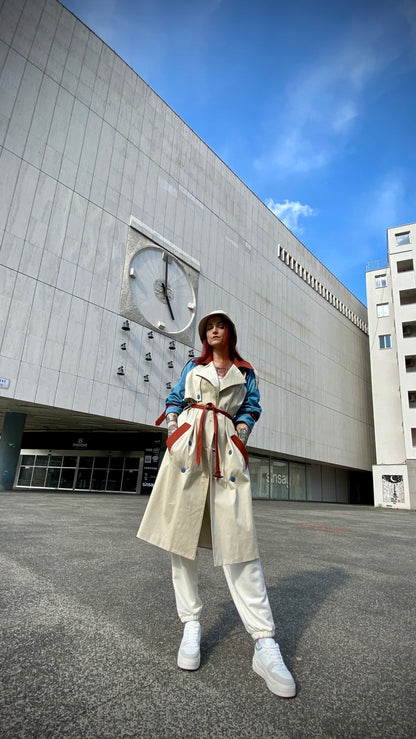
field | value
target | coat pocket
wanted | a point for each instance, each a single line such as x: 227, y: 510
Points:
x: 170, y: 441
x: 241, y: 448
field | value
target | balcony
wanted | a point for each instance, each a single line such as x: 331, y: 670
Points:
x: 375, y: 266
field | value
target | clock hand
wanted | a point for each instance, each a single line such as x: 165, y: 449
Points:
x: 165, y: 292
x: 165, y: 286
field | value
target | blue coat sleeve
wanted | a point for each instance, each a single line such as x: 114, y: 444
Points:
x: 250, y: 410
x: 175, y: 400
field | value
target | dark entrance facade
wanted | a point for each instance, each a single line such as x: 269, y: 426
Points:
x: 93, y: 462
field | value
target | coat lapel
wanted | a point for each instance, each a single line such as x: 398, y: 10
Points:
x: 233, y: 376
x: 208, y: 372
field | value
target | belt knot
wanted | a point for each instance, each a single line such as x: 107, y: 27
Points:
x: 209, y: 407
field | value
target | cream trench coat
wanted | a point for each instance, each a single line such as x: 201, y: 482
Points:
x: 189, y: 506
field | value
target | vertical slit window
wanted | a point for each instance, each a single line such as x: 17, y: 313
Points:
x: 385, y: 341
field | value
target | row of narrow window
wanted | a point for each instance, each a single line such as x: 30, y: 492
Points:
x: 305, y: 275
x: 407, y: 297
x: 409, y: 328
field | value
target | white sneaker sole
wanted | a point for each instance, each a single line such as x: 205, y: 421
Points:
x: 281, y: 687
x: 188, y: 663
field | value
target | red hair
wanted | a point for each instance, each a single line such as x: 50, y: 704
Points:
x: 206, y: 356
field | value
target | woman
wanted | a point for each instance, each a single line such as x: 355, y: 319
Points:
x: 202, y: 495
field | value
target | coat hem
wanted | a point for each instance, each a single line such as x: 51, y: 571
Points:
x: 218, y: 562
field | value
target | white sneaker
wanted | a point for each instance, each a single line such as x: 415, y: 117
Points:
x: 189, y: 656
x: 268, y: 663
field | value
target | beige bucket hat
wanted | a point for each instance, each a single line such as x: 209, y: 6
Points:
x: 218, y: 312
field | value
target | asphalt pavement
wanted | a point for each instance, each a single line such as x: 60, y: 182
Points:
x: 89, y: 632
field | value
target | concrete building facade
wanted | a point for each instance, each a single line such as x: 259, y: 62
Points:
x: 391, y: 293
x: 104, y: 190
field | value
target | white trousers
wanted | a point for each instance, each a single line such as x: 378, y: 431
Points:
x: 247, y: 587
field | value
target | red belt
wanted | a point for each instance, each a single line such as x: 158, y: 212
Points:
x: 204, y: 409
x: 215, y: 410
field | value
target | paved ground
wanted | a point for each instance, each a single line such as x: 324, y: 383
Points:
x: 89, y: 634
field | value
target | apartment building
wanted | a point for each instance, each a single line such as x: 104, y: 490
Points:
x: 391, y: 297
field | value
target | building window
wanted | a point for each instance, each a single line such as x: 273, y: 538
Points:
x: 382, y: 310
x: 385, y: 341
x: 407, y: 297
x: 410, y: 360
x: 405, y: 265
x: 413, y: 437
x: 278, y: 479
x: 402, y: 238
x: 412, y: 398
x: 297, y: 481
x: 100, y: 473
x: 409, y: 329
x: 381, y: 280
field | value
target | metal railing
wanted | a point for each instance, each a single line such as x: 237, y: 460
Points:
x: 379, y: 264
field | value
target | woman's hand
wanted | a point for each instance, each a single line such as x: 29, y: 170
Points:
x: 243, y: 432
x: 172, y: 422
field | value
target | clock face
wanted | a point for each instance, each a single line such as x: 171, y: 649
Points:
x: 162, y: 290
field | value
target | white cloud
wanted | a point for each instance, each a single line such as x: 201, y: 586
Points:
x: 296, y: 153
x: 290, y: 212
x: 324, y: 101
x: 344, y: 116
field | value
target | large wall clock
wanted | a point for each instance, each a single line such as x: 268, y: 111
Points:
x: 159, y: 289
x: 162, y: 290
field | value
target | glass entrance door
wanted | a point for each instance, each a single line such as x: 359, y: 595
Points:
x: 115, y: 473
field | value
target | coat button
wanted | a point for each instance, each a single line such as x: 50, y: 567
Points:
x: 230, y: 451
x: 232, y: 478
x: 183, y: 469
x: 198, y: 397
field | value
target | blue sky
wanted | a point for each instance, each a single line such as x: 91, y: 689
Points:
x: 311, y: 103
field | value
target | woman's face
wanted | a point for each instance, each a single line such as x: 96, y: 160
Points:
x: 216, y: 332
